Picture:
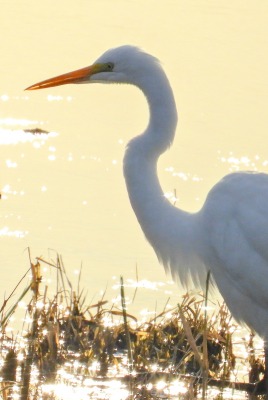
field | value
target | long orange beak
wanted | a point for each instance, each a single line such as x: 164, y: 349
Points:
x: 77, y: 76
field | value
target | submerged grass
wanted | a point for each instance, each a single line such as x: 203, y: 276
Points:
x: 70, y: 342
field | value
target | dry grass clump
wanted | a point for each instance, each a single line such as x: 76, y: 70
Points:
x: 66, y: 337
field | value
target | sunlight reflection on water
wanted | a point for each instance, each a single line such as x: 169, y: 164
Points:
x: 14, y: 132
x: 76, y: 379
x: 238, y: 163
x: 6, y: 231
x: 92, y: 389
x: 9, y: 135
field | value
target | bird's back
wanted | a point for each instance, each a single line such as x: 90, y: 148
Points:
x: 234, y: 221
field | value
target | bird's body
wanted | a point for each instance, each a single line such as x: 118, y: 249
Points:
x: 228, y: 236
x: 234, y: 222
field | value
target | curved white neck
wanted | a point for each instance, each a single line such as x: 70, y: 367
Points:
x: 163, y: 112
x: 170, y: 231
x: 140, y: 162
x: 151, y: 207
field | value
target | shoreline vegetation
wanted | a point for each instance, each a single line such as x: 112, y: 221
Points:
x: 67, y: 341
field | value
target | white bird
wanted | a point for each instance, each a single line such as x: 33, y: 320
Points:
x: 228, y: 236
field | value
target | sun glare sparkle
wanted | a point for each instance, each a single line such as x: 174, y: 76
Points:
x: 70, y: 157
x: 39, y: 305
x: 161, y: 385
x: 11, y: 164
x: 154, y: 367
x: 10, y: 134
x: 18, y: 122
x: 5, y: 231
x: 50, y: 97
x: 4, y: 97
x: 36, y: 145
x: 171, y: 197
x: 237, y: 163
x: 28, y: 319
x: 177, y: 387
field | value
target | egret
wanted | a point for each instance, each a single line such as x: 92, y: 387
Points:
x: 228, y: 236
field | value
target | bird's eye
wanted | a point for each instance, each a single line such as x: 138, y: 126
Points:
x: 110, y: 66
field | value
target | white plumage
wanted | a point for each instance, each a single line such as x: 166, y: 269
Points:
x: 228, y: 236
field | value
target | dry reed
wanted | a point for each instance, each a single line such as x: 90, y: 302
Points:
x: 66, y: 332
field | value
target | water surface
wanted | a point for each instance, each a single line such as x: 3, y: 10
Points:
x: 64, y: 191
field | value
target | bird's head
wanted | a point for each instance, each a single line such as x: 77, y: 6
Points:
x: 124, y: 64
